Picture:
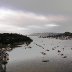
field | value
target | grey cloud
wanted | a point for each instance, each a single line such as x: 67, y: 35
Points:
x: 48, y: 9
x: 41, y: 6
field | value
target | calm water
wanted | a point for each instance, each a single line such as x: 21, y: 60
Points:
x: 42, y: 55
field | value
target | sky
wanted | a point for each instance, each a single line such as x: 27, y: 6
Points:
x: 32, y: 16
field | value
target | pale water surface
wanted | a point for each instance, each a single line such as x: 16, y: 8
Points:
x: 32, y: 59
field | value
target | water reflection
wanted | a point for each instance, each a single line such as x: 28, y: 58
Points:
x: 4, y: 56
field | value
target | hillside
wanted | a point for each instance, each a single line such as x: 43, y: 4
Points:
x: 66, y: 35
x: 43, y: 34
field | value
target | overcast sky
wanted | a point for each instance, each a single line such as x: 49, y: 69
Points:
x: 28, y: 16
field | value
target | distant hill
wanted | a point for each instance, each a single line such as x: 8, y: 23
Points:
x: 66, y: 35
x: 43, y: 34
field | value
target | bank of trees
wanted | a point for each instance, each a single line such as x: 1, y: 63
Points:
x: 11, y: 38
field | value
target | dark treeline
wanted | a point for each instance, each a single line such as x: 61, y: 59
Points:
x: 66, y: 35
x: 11, y: 38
